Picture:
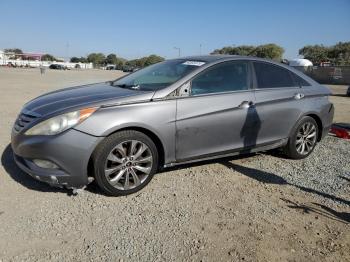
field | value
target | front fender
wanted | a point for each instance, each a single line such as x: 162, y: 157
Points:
x: 157, y: 116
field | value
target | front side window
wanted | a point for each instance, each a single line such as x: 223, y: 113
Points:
x: 158, y: 76
x: 272, y: 76
x: 225, y: 77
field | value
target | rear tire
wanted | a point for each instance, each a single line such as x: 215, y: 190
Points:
x: 125, y: 162
x: 303, y: 139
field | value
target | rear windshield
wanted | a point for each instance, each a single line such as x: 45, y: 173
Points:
x: 158, y: 76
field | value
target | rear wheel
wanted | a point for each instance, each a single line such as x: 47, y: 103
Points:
x: 303, y: 139
x: 125, y: 162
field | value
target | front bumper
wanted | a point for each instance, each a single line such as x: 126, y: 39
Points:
x: 70, y: 150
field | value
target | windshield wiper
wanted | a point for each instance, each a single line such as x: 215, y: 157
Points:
x: 136, y: 87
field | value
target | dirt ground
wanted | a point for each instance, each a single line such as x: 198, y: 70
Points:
x: 339, y: 98
x: 260, y: 207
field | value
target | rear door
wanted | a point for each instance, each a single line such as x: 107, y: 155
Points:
x: 279, y: 101
x: 211, y: 119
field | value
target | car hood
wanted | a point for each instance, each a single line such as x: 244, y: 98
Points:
x: 72, y: 98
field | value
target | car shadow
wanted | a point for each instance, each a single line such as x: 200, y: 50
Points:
x: 345, y: 178
x: 27, y: 181
x: 22, y: 178
x: 340, y: 95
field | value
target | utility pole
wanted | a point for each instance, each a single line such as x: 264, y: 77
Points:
x: 200, y: 49
x: 179, y: 49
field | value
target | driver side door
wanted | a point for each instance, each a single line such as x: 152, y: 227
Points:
x: 214, y: 117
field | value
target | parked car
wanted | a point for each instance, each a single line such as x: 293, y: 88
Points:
x: 58, y: 67
x: 111, y: 67
x: 128, y: 68
x: 121, y: 133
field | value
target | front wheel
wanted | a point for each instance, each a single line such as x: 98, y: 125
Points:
x: 303, y: 139
x: 125, y: 162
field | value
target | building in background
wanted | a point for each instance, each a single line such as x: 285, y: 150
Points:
x: 34, y: 60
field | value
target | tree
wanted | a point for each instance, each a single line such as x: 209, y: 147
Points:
x: 315, y: 53
x: 111, y: 59
x: 74, y: 59
x: 48, y: 57
x: 153, y: 59
x: 247, y: 50
x: 338, y: 54
x: 78, y: 60
x: 15, y: 51
x: 97, y: 59
x: 271, y: 51
x: 145, y: 61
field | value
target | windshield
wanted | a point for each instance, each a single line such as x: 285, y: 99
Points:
x: 159, y: 75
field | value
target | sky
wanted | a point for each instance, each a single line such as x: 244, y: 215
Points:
x: 135, y: 28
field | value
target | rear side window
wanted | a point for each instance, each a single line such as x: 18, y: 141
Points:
x: 299, y: 80
x: 271, y: 76
x: 225, y: 77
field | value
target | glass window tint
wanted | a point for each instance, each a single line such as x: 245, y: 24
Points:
x: 225, y: 77
x: 301, y: 81
x: 271, y: 76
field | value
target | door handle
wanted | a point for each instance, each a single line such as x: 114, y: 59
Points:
x: 246, y: 104
x: 298, y: 96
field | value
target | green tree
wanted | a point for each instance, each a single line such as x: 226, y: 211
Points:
x: 48, y: 57
x: 153, y: 59
x: 315, y: 53
x: 120, y: 63
x: 111, y: 59
x: 145, y: 61
x: 75, y: 59
x: 13, y: 50
x: 97, y: 59
x: 339, y: 54
x: 271, y: 51
x: 246, y: 50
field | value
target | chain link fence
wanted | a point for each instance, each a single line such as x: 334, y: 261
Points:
x: 328, y: 74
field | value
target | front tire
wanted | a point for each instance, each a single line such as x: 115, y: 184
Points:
x: 303, y: 139
x: 125, y: 162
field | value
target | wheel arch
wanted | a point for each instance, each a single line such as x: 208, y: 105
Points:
x: 319, y: 124
x: 152, y: 135
x: 318, y: 120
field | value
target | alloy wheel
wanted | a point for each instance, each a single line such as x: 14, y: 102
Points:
x: 306, y: 138
x: 128, y: 164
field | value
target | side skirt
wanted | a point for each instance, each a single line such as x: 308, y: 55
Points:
x: 240, y: 151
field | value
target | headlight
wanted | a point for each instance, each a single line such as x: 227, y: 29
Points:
x: 58, y: 124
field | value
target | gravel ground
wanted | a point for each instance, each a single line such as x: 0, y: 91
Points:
x: 260, y: 207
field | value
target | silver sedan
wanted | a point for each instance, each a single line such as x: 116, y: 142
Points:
x: 121, y: 133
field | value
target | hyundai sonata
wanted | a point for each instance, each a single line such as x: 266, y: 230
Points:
x: 121, y: 133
